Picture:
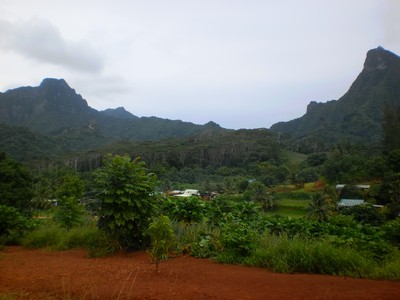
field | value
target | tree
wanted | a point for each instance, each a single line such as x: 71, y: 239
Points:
x: 69, y: 212
x: 259, y: 193
x: 15, y: 184
x: 318, y: 208
x: 162, y: 239
x: 127, y: 201
x: 391, y: 128
x: 365, y: 213
x: 12, y: 224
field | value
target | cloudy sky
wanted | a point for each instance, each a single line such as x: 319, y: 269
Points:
x: 240, y: 63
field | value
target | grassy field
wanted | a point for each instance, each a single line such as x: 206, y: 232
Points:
x: 292, y: 202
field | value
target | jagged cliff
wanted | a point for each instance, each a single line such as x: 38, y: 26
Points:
x: 357, y: 116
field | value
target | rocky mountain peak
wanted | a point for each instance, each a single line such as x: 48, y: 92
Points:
x: 379, y: 59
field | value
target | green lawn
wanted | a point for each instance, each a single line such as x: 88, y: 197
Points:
x: 291, y: 207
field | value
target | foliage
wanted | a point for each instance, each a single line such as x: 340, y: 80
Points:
x: 351, y: 191
x: 344, y: 167
x: 69, y: 212
x: 185, y: 209
x: 162, y: 239
x: 223, y: 210
x: 388, y: 269
x: 71, y: 186
x: 298, y: 255
x: 15, y: 184
x: 365, y: 213
x: 318, y: 208
x: 391, y: 129
x: 51, y: 236
x: 237, y: 240
x: 392, y: 231
x: 127, y: 200
x: 259, y: 193
x: 197, y: 239
x: 12, y: 224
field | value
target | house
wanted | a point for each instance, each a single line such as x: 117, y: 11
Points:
x: 189, y: 193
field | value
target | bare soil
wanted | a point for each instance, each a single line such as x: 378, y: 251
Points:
x: 41, y: 274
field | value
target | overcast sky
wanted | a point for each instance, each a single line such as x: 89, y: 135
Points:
x: 241, y: 64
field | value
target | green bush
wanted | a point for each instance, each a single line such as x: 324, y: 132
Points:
x: 12, y: 225
x: 392, y: 231
x: 69, y: 212
x: 162, y: 239
x: 185, y: 209
x: 238, y: 240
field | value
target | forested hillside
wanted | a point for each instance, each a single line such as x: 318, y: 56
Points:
x: 357, y: 117
x: 56, y: 110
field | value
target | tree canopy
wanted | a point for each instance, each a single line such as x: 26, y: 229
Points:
x: 127, y: 200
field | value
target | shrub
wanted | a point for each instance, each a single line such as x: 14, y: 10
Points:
x: 237, y: 240
x: 185, y: 209
x: 12, y: 225
x: 392, y: 231
x: 162, y: 239
x: 69, y: 212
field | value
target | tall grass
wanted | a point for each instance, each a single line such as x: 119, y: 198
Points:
x: 298, y: 255
x: 388, y: 268
x: 54, y: 237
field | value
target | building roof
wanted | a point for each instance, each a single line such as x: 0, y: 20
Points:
x: 360, y: 186
x: 350, y: 202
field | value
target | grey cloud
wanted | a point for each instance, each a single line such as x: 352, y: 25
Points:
x: 40, y: 40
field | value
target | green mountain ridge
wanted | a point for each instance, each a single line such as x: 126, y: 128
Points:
x: 357, y: 116
x: 56, y: 110
x: 52, y: 121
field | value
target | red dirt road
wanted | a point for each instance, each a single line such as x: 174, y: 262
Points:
x: 40, y: 274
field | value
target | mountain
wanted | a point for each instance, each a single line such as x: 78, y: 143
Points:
x: 358, y: 115
x: 119, y: 112
x: 55, y: 110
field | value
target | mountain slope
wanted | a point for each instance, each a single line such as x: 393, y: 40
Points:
x: 56, y: 110
x: 357, y: 116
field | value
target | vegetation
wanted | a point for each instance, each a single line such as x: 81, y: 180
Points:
x: 15, y: 184
x: 118, y: 208
x: 318, y: 207
x: 126, y: 200
x: 162, y: 239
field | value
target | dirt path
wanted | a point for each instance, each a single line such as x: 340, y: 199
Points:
x: 40, y: 274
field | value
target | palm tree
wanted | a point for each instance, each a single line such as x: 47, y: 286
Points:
x: 258, y: 192
x: 318, y: 208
